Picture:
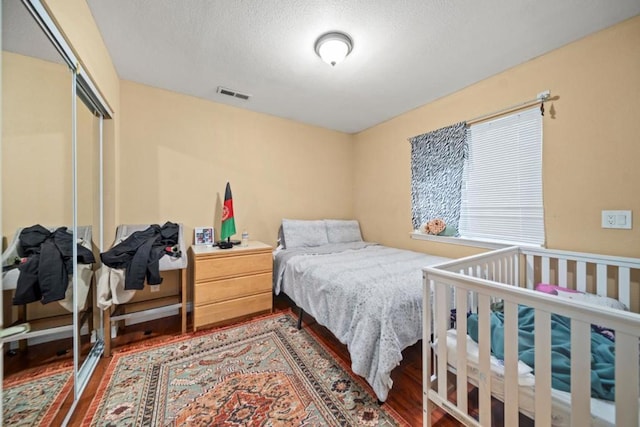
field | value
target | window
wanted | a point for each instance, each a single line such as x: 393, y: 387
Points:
x: 484, y: 181
x: 502, y: 180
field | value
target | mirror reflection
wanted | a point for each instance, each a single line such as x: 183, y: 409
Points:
x: 37, y: 220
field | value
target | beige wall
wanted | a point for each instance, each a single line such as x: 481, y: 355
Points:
x: 37, y: 153
x: 36, y: 143
x: 281, y: 169
x: 591, y: 145
x: 178, y: 152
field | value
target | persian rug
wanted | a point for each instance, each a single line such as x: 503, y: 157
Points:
x: 264, y: 372
x: 34, y: 397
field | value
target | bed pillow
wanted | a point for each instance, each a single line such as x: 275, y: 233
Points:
x: 304, y: 233
x: 343, y: 231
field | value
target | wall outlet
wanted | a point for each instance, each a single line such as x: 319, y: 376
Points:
x: 616, y: 219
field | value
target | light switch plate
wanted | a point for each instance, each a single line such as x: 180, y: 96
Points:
x: 616, y: 219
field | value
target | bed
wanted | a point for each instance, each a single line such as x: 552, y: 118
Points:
x: 572, y: 317
x: 368, y: 295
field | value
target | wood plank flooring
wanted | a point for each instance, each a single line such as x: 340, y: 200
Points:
x: 405, y: 397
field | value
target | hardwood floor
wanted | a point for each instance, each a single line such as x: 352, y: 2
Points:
x: 405, y: 397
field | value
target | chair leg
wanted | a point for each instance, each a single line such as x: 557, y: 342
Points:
x: 183, y: 298
x: 90, y: 309
x: 107, y: 332
x: 22, y: 318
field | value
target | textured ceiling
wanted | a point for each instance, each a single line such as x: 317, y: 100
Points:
x: 21, y: 34
x: 406, y: 53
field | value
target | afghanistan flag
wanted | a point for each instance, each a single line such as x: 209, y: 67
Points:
x: 228, y: 228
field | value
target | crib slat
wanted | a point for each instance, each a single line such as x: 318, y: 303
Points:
x: 626, y: 380
x: 492, y: 270
x: 601, y: 277
x: 442, y: 324
x: 427, y: 315
x: 546, y: 269
x: 473, y: 302
x: 516, y: 270
x: 562, y: 272
x: 484, y: 363
x: 624, y: 290
x: 505, y: 270
x: 581, y: 276
x: 504, y: 273
x: 580, y: 364
x: 530, y: 271
x: 510, y: 364
x: 542, y: 357
x: 461, y: 363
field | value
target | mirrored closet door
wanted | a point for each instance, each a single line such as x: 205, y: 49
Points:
x: 51, y: 180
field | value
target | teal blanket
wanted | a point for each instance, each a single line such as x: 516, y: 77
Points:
x: 602, y: 350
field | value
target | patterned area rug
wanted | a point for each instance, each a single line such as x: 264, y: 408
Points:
x: 264, y: 372
x: 34, y: 397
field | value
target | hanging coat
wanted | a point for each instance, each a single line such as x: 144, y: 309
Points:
x: 44, y: 276
x: 140, y: 253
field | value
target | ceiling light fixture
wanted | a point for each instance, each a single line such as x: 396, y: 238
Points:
x: 333, y: 47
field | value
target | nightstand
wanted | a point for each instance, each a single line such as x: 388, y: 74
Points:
x: 230, y: 283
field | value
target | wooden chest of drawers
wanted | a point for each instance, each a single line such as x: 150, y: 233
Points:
x: 230, y: 283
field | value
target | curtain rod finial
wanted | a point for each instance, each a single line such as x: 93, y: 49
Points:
x: 543, y: 96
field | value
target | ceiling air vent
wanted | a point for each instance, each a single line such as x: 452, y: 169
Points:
x: 235, y: 94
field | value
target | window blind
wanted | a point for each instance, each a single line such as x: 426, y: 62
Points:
x: 502, y: 180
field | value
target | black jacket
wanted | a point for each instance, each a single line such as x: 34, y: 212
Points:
x: 140, y: 253
x: 49, y: 261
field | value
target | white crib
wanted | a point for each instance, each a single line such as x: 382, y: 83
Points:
x: 509, y: 275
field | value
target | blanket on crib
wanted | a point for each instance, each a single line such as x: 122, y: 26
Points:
x: 602, y: 350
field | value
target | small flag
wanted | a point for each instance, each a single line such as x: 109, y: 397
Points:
x: 228, y: 228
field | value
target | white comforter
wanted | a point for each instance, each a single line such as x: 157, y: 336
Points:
x: 369, y: 296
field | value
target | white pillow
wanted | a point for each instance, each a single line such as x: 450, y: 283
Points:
x: 302, y: 233
x: 343, y: 231
x: 592, y: 299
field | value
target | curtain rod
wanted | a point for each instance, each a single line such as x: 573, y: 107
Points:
x: 542, y: 96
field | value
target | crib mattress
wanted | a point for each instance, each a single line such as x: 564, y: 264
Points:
x: 602, y: 411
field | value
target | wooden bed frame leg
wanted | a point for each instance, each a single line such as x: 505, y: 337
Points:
x: 300, y: 313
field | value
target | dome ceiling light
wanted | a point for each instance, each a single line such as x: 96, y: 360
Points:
x: 333, y: 47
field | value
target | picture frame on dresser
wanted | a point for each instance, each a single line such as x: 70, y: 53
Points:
x: 203, y: 236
